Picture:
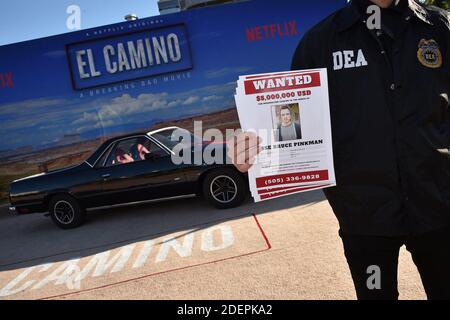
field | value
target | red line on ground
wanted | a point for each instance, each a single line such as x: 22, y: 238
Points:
x: 269, y: 246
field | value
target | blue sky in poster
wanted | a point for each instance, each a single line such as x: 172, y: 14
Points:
x: 42, y: 106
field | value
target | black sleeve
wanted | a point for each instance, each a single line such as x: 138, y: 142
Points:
x: 445, y: 23
x: 441, y: 21
x: 446, y: 98
x: 304, y: 54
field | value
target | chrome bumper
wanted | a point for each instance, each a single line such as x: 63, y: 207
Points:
x: 13, y: 210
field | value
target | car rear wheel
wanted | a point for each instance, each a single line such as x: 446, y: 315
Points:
x: 224, y: 188
x: 66, y: 212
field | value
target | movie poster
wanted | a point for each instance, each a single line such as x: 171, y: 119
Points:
x: 62, y: 96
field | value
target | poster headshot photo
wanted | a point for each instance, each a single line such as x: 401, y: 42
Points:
x: 286, y: 122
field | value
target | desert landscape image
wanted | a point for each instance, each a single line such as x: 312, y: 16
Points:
x: 72, y: 149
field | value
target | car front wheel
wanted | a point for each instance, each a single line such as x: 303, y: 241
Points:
x: 66, y: 212
x: 225, y: 188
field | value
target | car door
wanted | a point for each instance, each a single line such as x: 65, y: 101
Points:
x: 193, y: 145
x: 140, y: 179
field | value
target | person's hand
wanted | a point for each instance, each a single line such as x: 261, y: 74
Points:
x: 242, y: 149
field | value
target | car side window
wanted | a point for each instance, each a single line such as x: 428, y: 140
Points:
x: 102, y: 161
x: 156, y: 151
x: 133, y: 150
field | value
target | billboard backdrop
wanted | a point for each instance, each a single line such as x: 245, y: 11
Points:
x: 61, y: 96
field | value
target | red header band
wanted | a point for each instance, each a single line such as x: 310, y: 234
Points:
x: 292, y: 178
x: 282, y: 83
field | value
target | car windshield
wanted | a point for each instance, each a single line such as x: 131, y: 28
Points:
x: 169, y: 138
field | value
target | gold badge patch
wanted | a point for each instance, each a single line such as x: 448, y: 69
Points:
x: 429, y: 54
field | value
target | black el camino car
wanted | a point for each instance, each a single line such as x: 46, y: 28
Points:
x: 127, y: 170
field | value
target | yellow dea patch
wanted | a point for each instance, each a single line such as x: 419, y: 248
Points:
x: 429, y: 54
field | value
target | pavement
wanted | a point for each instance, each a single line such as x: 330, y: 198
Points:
x: 285, y: 248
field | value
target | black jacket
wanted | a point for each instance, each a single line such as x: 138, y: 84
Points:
x: 298, y: 131
x: 390, y: 119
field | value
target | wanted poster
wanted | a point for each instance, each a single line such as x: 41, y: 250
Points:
x: 290, y: 112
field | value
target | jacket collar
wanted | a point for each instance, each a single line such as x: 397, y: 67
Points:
x: 350, y: 15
